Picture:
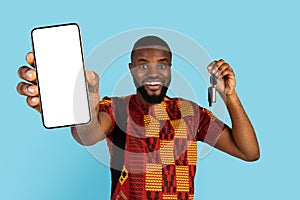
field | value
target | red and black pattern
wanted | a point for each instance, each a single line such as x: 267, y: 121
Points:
x: 169, y: 179
x: 137, y: 182
x: 167, y: 131
x: 192, y: 172
x: 180, y: 152
x: 152, y: 149
x: 166, y: 155
x: 183, y: 196
x: 172, y: 109
x: 153, y: 195
x: 209, y: 126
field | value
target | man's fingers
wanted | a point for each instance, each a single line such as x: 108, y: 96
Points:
x: 219, y: 63
x: 93, y: 81
x: 34, y: 102
x: 222, y: 68
x: 225, y: 66
x: 30, y: 59
x: 37, y: 108
x: 218, y: 67
x: 214, y: 66
x: 27, y: 89
x: 210, y: 67
x: 27, y: 74
x: 226, y: 73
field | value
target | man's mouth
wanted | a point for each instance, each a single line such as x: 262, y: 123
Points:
x: 153, y: 85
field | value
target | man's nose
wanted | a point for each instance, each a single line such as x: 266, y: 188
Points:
x: 153, y: 70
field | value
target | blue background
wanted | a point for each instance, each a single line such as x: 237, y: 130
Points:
x: 260, y: 39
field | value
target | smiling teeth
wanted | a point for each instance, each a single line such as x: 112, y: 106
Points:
x: 153, y: 83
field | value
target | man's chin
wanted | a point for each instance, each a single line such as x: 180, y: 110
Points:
x: 154, y: 96
x: 155, y: 93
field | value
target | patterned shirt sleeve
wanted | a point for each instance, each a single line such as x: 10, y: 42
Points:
x: 107, y: 105
x: 210, y: 127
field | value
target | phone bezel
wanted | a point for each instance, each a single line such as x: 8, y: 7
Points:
x: 37, y: 76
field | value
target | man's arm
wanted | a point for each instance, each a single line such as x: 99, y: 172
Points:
x: 240, y: 141
x: 94, y: 132
x: 89, y: 134
x: 100, y: 123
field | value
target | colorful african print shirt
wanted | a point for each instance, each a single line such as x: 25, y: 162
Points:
x: 160, y: 153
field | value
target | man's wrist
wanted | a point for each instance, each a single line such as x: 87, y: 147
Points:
x: 230, y: 98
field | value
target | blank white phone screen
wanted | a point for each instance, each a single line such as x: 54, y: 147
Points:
x: 61, y: 76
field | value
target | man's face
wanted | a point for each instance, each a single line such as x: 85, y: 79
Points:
x: 151, y: 72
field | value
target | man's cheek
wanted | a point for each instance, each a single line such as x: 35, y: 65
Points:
x: 137, y: 80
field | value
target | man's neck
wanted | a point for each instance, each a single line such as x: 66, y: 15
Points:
x: 142, y: 100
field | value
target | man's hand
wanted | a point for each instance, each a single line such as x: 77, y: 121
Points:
x: 226, y: 81
x: 94, y: 131
x: 94, y: 96
x: 29, y: 88
x: 240, y: 140
x: 85, y: 134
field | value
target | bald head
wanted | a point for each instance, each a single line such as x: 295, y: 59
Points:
x: 150, y: 42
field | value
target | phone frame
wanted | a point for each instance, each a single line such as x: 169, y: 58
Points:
x: 83, y: 65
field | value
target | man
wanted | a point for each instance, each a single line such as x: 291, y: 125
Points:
x: 153, y: 138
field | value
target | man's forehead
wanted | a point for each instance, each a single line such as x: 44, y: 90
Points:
x: 154, y: 50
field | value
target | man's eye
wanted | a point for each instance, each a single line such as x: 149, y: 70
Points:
x: 144, y: 66
x: 161, y: 66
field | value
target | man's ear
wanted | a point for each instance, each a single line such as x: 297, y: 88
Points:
x: 130, y: 66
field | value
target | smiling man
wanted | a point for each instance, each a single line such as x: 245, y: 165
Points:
x: 150, y: 67
x: 152, y: 138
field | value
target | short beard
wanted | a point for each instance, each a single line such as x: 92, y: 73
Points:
x: 153, y: 99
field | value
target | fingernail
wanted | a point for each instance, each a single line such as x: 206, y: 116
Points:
x: 93, y: 75
x: 30, y: 89
x: 34, y: 99
x: 28, y: 74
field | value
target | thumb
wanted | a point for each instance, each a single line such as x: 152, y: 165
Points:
x: 93, y: 81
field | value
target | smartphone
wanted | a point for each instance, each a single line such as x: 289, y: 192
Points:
x: 61, y: 76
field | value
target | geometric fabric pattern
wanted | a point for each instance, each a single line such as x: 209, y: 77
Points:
x: 153, y: 177
x: 161, y: 147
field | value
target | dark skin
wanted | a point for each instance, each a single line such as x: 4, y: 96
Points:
x: 239, y: 141
x: 156, y: 56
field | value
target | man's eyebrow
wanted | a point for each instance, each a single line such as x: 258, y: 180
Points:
x: 163, y: 60
x: 142, y: 60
